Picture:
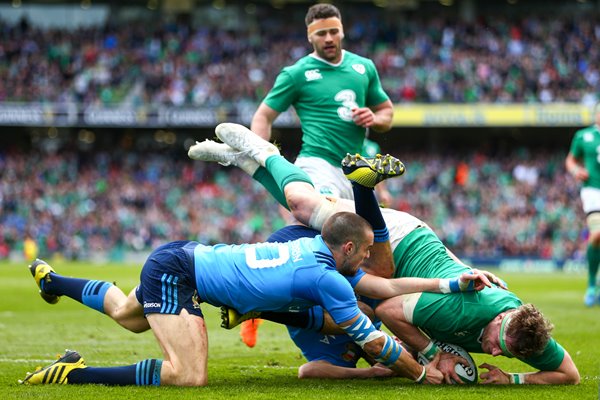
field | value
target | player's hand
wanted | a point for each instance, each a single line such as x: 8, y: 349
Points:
x: 433, y: 375
x: 476, y: 280
x: 582, y: 174
x: 494, y: 375
x: 363, y: 116
x: 446, y: 366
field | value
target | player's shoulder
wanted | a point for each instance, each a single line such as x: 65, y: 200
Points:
x: 350, y: 57
x: 592, y: 129
x: 301, y: 65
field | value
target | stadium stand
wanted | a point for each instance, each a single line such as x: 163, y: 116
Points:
x: 86, y: 200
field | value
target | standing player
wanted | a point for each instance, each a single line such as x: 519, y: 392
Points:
x: 337, y: 96
x: 583, y: 162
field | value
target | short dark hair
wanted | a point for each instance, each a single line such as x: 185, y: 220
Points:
x: 321, y: 11
x: 343, y: 227
x: 529, y: 330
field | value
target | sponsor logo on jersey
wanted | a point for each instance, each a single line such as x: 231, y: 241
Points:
x: 312, y: 75
x: 461, y: 334
x: 359, y: 68
x: 588, y: 137
x: 152, y: 305
x: 296, y: 252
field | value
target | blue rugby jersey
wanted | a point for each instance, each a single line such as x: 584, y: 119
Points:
x: 275, y: 277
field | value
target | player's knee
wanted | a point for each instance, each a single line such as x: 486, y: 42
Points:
x: 385, y: 310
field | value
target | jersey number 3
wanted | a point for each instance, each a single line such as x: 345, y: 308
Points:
x: 348, y: 99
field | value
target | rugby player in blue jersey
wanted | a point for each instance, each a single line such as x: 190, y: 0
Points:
x: 178, y: 276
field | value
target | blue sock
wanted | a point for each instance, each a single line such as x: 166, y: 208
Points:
x: 88, y: 292
x: 144, y: 373
x: 368, y: 208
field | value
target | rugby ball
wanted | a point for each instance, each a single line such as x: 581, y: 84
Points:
x: 467, y: 373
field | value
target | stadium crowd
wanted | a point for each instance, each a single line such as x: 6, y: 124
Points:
x: 420, y: 59
x: 81, y: 204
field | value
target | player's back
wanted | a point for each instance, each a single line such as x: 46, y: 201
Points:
x: 263, y: 276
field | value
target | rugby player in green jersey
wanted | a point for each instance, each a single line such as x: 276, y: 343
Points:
x: 337, y: 96
x: 583, y: 162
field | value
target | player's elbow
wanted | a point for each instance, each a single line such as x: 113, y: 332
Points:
x: 309, y: 370
x: 572, y: 377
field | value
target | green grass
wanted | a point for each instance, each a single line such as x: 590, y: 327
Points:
x: 32, y: 332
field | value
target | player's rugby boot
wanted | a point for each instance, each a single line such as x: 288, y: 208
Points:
x: 57, y: 371
x: 241, y: 138
x: 369, y: 171
x: 230, y: 318
x: 209, y: 150
x: 40, y: 270
x: 249, y: 331
x: 590, y: 298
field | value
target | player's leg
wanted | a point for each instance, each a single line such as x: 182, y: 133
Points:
x: 184, y: 342
x: 168, y: 298
x: 99, y: 295
x: 593, y: 258
x: 364, y: 174
x: 287, y: 183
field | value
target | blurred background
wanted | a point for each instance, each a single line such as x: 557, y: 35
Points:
x: 99, y: 101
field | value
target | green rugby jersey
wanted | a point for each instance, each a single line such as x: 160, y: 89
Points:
x: 585, y: 147
x: 323, y: 96
x: 457, y: 318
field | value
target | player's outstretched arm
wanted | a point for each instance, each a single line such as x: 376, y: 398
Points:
x: 566, y: 373
x: 381, y: 288
x: 325, y: 370
x: 385, y: 350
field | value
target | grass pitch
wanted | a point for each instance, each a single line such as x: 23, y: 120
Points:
x: 32, y: 332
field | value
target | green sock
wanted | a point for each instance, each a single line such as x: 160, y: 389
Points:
x: 262, y: 176
x: 284, y: 172
x: 593, y: 257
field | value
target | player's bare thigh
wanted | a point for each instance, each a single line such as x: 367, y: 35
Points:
x: 125, y: 310
x: 184, y: 342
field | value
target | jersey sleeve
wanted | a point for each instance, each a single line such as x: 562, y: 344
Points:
x: 283, y: 94
x: 375, y: 93
x: 337, y: 297
x: 550, y: 359
x: 353, y: 280
x: 576, y: 150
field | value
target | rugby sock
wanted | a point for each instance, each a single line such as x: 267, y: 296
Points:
x: 593, y: 257
x: 284, y: 172
x: 144, y: 373
x: 262, y: 176
x: 88, y: 292
x: 312, y: 319
x: 368, y: 208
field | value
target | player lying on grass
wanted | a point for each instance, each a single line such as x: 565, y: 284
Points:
x: 493, y: 321
x: 176, y: 277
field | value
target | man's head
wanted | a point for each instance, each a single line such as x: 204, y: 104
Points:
x: 325, y: 31
x: 349, y: 237
x: 522, y: 333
